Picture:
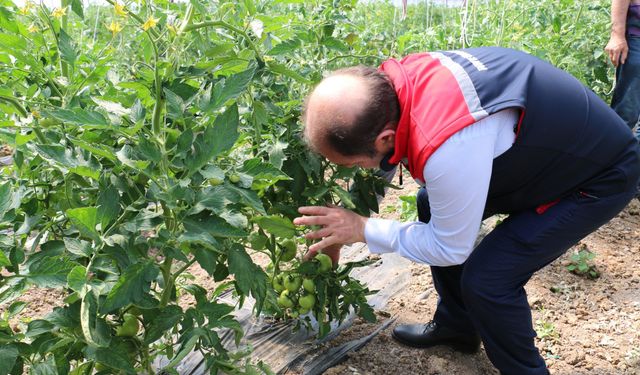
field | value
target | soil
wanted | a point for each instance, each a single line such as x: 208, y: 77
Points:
x: 585, y: 326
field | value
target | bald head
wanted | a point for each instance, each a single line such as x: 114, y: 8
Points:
x: 334, y: 103
x: 348, y: 109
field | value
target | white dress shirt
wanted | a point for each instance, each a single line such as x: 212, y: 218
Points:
x: 457, y: 179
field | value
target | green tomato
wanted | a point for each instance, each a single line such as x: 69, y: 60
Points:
x: 215, y: 181
x: 277, y: 284
x: 130, y: 326
x: 307, y: 301
x: 309, y: 285
x: 269, y: 268
x: 284, y: 300
x: 292, y: 283
x: 46, y: 122
x: 134, y: 310
x: 303, y: 311
x: 290, y: 249
x: 294, y: 314
x: 234, y: 178
x: 326, y: 264
x: 100, y: 366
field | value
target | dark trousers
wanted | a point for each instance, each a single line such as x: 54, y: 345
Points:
x: 486, y: 294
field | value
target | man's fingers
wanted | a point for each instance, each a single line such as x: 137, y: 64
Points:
x: 309, y: 254
x: 313, y: 210
x: 623, y: 56
x: 612, y: 57
x: 325, y: 232
x: 310, y: 220
x: 326, y: 242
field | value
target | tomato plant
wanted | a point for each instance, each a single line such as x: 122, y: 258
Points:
x: 164, y: 137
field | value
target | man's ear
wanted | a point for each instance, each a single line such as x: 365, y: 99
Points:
x: 386, y: 139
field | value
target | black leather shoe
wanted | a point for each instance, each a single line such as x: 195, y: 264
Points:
x: 431, y: 334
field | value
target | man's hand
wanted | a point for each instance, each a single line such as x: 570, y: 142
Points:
x: 617, y: 48
x: 339, y: 227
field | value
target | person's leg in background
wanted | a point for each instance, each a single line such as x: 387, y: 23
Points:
x: 626, y: 94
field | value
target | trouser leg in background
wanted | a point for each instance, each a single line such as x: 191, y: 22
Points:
x: 626, y: 95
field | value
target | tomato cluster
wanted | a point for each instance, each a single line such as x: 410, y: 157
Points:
x: 296, y: 290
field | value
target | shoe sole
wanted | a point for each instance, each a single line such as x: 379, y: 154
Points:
x: 462, y: 348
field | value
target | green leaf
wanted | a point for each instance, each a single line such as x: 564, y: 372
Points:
x: 166, y: 319
x: 142, y: 91
x: 78, y: 247
x: 6, y: 198
x: 16, y: 307
x: 79, y: 116
x: 59, y: 155
x: 236, y: 219
x: 95, y: 329
x: 8, y: 355
x: 335, y: 44
x: 248, y: 197
x: 212, y: 171
x: 23, y: 139
x: 67, y: 50
x: 13, y: 289
x: 76, y: 6
x: 185, y: 140
x: 132, y: 286
x: 77, y: 278
x: 108, y: 206
x: 85, y: 219
x: 207, y: 259
x: 276, y: 153
x: 50, y: 271
x: 175, y: 105
x: 216, y: 139
x: 264, y: 174
x: 110, y: 357
x: 285, y: 47
x: 98, y: 150
x: 137, y: 112
x: 38, y: 327
x: 215, y: 311
x: 7, y: 21
x: 130, y: 158
x: 344, y: 196
x: 186, y: 348
x: 213, y: 226
x: 366, y: 312
x: 248, y: 276
x: 278, y: 226
x: 230, y: 88
x: 48, y: 367
x: 281, y: 69
x: 4, y: 261
x: 149, y: 150
x: 215, y: 199
x: 86, y: 172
